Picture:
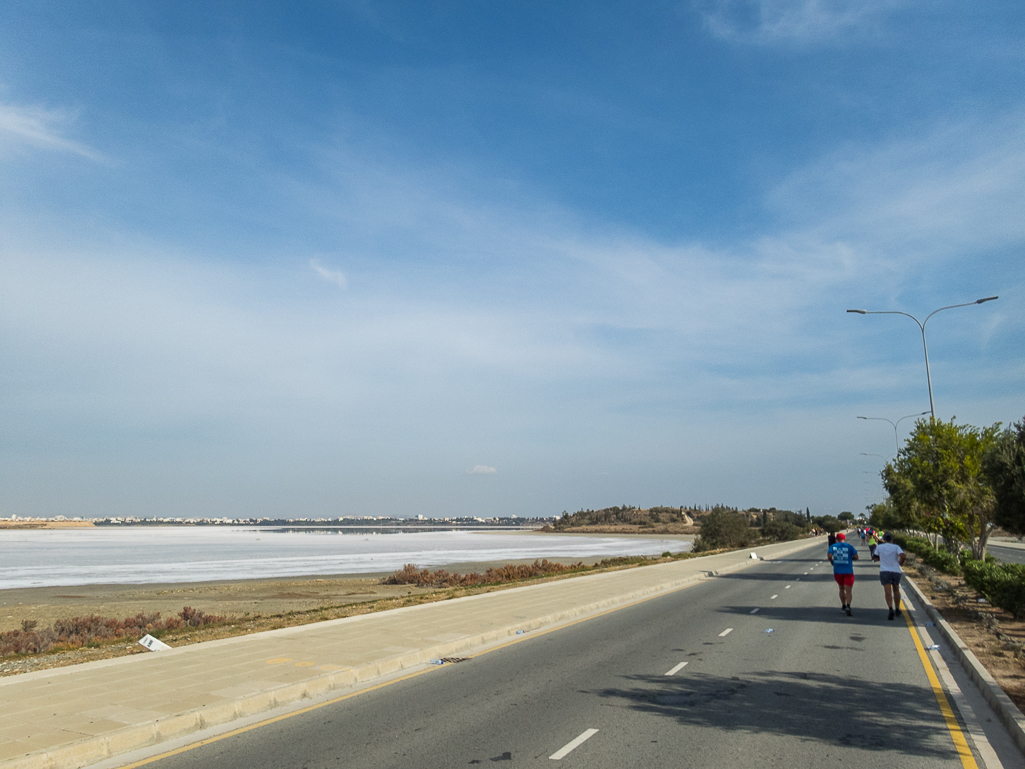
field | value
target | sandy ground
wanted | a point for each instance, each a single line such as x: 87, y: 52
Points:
x: 234, y: 598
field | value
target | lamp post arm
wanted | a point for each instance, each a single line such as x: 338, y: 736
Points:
x: 925, y: 347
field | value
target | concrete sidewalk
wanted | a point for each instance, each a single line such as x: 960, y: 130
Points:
x: 75, y: 716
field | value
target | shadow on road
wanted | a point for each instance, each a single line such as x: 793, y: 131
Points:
x: 762, y: 577
x: 870, y: 715
x: 871, y: 612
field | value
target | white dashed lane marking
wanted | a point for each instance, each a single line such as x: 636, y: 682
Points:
x: 775, y: 596
x: 571, y: 746
x: 754, y: 611
x: 726, y: 632
x: 677, y: 669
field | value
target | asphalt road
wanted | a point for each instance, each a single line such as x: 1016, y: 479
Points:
x: 1006, y: 554
x: 692, y: 679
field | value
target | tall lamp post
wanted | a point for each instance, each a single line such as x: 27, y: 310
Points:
x: 921, y: 325
x: 896, y: 440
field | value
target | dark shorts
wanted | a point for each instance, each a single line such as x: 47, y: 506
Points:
x: 889, y: 578
x: 844, y: 579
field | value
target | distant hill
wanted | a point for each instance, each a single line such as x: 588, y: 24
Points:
x: 627, y: 519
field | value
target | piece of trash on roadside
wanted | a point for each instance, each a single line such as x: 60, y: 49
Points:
x: 153, y: 644
x: 520, y: 632
x: 754, y: 556
x: 933, y: 648
x: 436, y: 662
x: 980, y: 600
x: 770, y: 630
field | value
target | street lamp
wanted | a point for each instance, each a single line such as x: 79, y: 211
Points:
x: 921, y: 325
x: 884, y: 419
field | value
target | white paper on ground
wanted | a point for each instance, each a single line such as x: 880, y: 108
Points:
x: 153, y: 644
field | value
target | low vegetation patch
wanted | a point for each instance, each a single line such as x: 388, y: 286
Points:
x: 93, y: 637
x: 1002, y: 584
x: 410, y: 575
x: 93, y: 630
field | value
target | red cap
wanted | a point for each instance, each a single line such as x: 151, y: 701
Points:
x: 841, y: 536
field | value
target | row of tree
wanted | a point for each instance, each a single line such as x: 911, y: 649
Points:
x: 957, y: 482
x: 725, y: 528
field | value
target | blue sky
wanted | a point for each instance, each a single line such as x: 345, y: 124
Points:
x: 504, y: 258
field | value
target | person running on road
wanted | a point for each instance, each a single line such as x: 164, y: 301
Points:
x: 843, y: 556
x: 891, y: 558
x: 831, y: 539
x: 873, y: 541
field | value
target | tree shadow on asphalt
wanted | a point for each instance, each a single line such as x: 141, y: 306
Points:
x: 867, y: 614
x: 811, y: 707
x: 760, y: 577
x: 825, y: 574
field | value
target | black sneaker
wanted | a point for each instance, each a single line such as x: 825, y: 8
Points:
x: 897, y: 612
x: 848, y: 610
x: 890, y: 615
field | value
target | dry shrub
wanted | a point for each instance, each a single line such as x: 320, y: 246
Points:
x: 410, y: 575
x: 92, y: 629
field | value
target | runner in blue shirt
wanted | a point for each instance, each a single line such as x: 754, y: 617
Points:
x: 843, y: 556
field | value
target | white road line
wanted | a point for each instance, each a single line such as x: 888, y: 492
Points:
x: 787, y: 587
x: 775, y: 596
x: 726, y: 632
x: 677, y: 669
x: 755, y: 611
x: 806, y: 574
x: 565, y: 751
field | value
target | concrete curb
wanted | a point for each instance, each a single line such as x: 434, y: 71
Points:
x: 997, y: 698
x: 91, y: 751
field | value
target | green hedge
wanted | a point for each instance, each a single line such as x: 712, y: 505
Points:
x: 1003, y: 584
x: 938, y: 559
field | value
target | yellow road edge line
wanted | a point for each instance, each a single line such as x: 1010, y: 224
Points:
x: 964, y: 752
x: 350, y: 695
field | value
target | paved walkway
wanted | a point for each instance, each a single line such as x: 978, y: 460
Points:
x: 1013, y: 543
x: 75, y: 716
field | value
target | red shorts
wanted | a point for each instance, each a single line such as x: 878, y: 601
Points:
x: 844, y: 579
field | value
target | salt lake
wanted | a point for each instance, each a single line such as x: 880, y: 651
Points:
x: 149, y: 554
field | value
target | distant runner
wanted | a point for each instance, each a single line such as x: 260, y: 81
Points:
x: 891, y: 558
x: 843, y: 556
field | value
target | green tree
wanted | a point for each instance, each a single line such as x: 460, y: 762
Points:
x: 781, y: 531
x: 1004, y: 467
x: 829, y: 523
x: 937, y: 482
x: 846, y: 517
x: 723, y: 528
x: 789, y: 517
x: 885, y: 516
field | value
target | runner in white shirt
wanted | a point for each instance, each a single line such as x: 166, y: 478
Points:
x: 891, y: 558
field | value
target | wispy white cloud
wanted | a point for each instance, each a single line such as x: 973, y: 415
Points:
x: 949, y: 189
x: 40, y: 128
x: 547, y: 330
x: 800, y: 21
x: 330, y: 275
